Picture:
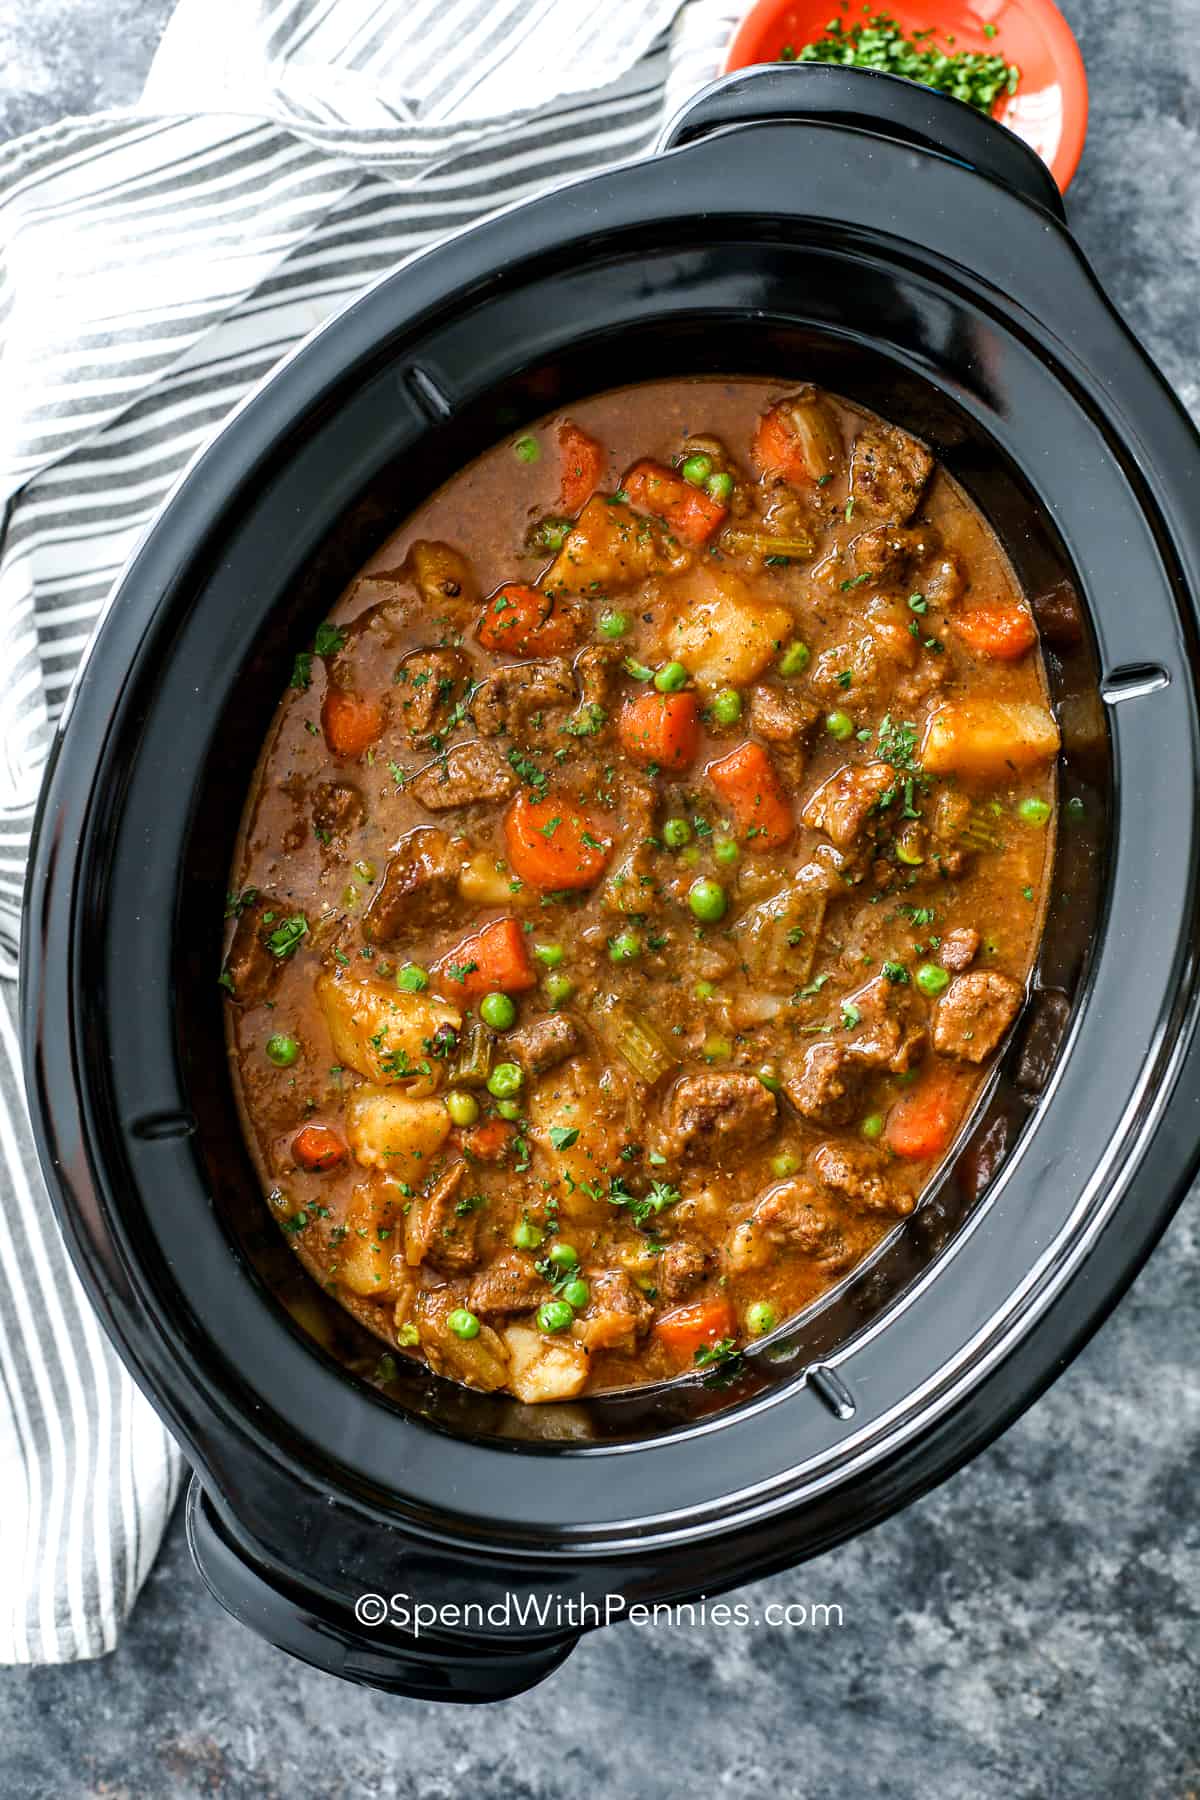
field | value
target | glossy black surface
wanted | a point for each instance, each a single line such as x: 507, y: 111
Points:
x: 954, y: 307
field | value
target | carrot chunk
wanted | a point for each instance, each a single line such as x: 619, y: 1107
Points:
x: 552, y: 845
x: 1003, y: 633
x: 688, y: 511
x: 318, y: 1148
x: 798, y: 440
x: 692, y: 1327
x: 351, y: 724
x: 583, y: 462
x: 748, y: 784
x: 523, y: 621
x: 489, y: 1142
x: 661, y: 728
x: 921, y: 1123
x: 493, y: 960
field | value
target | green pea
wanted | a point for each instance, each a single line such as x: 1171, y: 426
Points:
x: 349, y: 894
x: 719, y: 486
x: 839, y: 725
x: 784, y: 1164
x: 412, y: 978
x: 558, y: 989
x: 1075, y: 807
x: 705, y: 990
x: 677, y: 833
x: 931, y: 978
x: 366, y: 871
x: 462, y: 1323
x: 463, y: 1108
x: 707, y: 899
x: 761, y: 1318
x: 671, y: 677
x: 726, y: 852
x: 509, y: 1109
x: 554, y: 1315
x: 872, y: 1127
x: 626, y: 947
x: 549, y: 955
x: 1033, y: 811
x: 613, y: 624
x: 576, y: 1294
x: 526, y: 1236
x: 498, y: 1011
x: 727, y: 706
x: 504, y: 1081
x: 527, y: 450
x: 282, y: 1050
x: 697, y: 468
x: 716, y: 1048
x: 563, y: 1256
x: 768, y: 1074
x: 795, y: 658
x: 690, y: 856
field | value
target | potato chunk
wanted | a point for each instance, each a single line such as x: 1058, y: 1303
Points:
x: 565, y: 1102
x: 478, y: 1362
x: 364, y: 1259
x: 988, y: 738
x: 725, y: 636
x: 610, y: 546
x: 543, y: 1368
x: 394, y: 1133
x: 383, y: 1034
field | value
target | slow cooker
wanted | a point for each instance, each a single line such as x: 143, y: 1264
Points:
x: 803, y: 220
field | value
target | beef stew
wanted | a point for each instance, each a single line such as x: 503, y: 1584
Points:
x: 643, y: 869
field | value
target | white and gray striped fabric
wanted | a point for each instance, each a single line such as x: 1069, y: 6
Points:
x: 156, y: 263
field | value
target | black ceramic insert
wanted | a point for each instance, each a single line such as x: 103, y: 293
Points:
x: 940, y: 290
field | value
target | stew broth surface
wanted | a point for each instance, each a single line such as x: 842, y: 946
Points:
x: 643, y: 867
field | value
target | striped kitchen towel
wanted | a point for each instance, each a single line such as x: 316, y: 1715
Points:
x: 156, y: 263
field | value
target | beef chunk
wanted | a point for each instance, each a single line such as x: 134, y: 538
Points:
x: 596, y: 670
x: 337, y: 808
x: 505, y: 700
x: 468, y: 773
x: 616, y: 1314
x: 974, y: 1013
x: 890, y: 550
x: 792, y: 1216
x: 630, y: 884
x: 419, y: 887
x: 958, y: 949
x: 827, y: 1085
x: 890, y: 1031
x: 684, y: 1263
x: 779, y: 715
x: 510, y: 1284
x: 855, y: 1172
x: 888, y: 472
x: 543, y: 1044
x: 435, y: 1232
x: 427, y: 682
x: 715, y: 1115
x: 842, y: 805
x: 942, y: 580
x: 250, y: 965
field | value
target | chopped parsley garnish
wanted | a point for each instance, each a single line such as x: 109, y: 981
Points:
x: 587, y: 722
x: 329, y: 640
x: 285, y: 938
x: 977, y: 77
x: 564, y: 1136
x: 528, y: 771
x: 302, y: 670
x: 236, y: 904
x: 723, y: 1351
x: 896, y: 973
x: 851, y: 1016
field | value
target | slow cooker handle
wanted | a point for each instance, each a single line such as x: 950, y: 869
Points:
x: 868, y: 100
x: 434, y: 1667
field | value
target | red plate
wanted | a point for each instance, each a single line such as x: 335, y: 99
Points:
x: 1049, y: 109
